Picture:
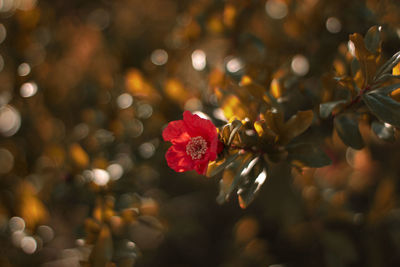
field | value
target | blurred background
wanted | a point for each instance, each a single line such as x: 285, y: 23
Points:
x: 86, y: 88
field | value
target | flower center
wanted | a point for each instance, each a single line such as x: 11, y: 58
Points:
x: 196, y: 147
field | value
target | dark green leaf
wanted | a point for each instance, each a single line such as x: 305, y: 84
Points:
x: 308, y: 154
x: 224, y: 192
x: 388, y: 65
x: 372, y: 39
x: 346, y: 126
x: 383, y: 132
x: 383, y: 107
x: 387, y: 89
x: 248, y: 191
x: 326, y: 109
x: 223, y: 165
x: 386, y: 77
x: 241, y: 171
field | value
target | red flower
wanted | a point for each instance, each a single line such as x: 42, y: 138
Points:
x: 194, y: 143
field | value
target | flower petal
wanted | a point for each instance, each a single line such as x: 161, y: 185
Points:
x: 201, y: 168
x: 175, y: 130
x: 197, y: 126
x: 178, y: 160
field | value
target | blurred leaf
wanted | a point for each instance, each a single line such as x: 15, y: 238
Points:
x: 308, y: 155
x: 384, y: 200
x: 31, y: 208
x: 267, y: 136
x: 349, y: 83
x: 276, y: 89
x: 373, y: 39
x: 256, y: 90
x: 340, y: 246
x: 176, y: 91
x: 78, y: 155
x: 126, y: 253
x: 368, y: 60
x: 270, y: 99
x: 355, y: 66
x: 295, y: 126
x: 383, y: 132
x: 383, y: 107
x: 126, y: 262
x: 103, y: 249
x: 325, y: 109
x: 346, y: 126
x: 298, y: 123
x: 138, y: 86
x: 274, y: 121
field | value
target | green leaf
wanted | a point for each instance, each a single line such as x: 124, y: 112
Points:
x: 245, y: 167
x: 372, y: 39
x: 308, y: 154
x: 226, y: 189
x: 326, y: 109
x: 383, y: 132
x: 386, y: 89
x: 224, y: 164
x: 383, y: 107
x: 386, y: 77
x: 346, y: 126
x: 248, y: 191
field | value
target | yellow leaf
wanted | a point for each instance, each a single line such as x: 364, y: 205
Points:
x: 276, y: 89
x: 396, y: 94
x: 396, y: 69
